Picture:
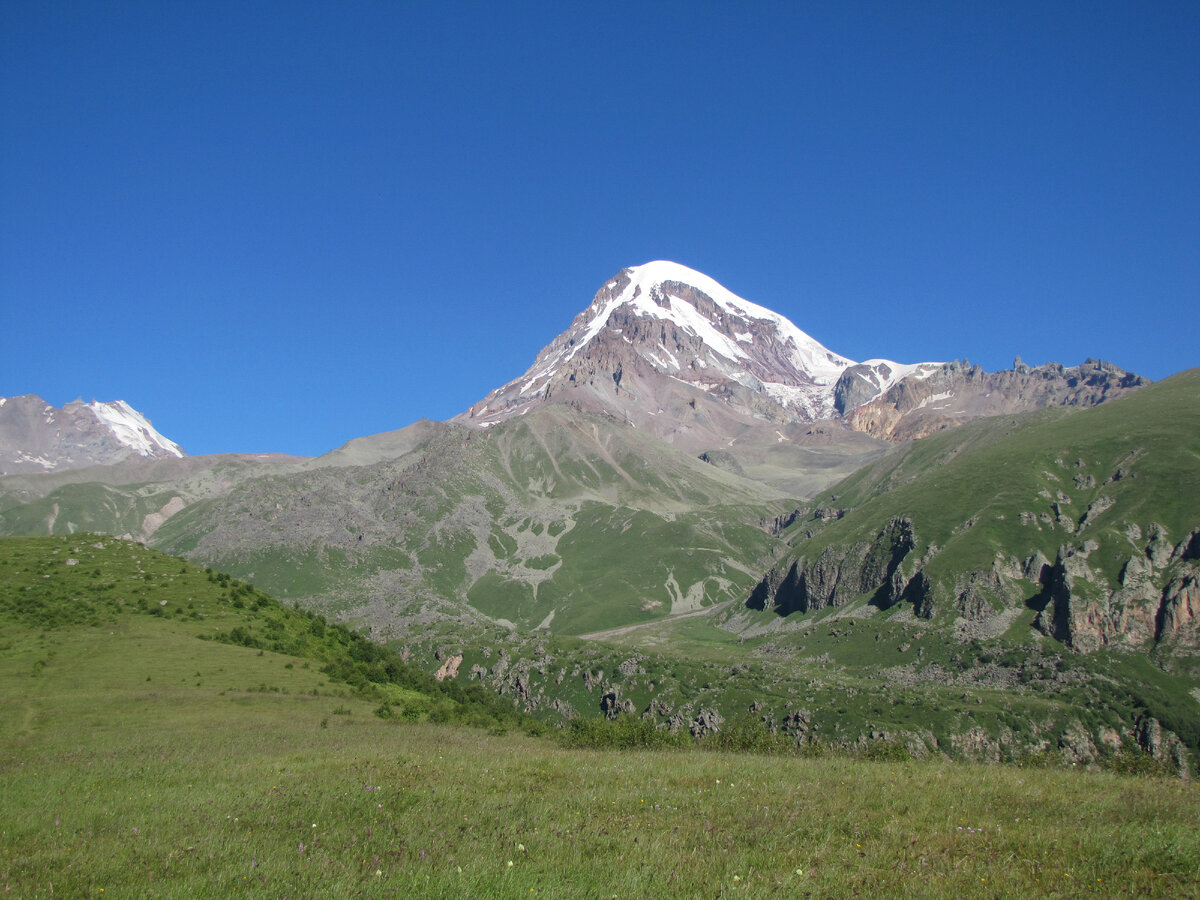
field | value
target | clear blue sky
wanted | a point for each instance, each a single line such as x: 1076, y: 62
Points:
x: 281, y: 226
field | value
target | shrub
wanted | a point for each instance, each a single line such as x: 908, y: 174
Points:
x: 625, y: 732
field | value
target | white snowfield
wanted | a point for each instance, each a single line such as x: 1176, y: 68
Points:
x: 133, y: 429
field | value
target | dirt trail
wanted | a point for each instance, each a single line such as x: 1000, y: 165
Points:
x: 625, y: 629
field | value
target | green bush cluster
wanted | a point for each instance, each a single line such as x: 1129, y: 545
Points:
x: 625, y: 732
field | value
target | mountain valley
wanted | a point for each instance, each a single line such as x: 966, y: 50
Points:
x: 690, y: 511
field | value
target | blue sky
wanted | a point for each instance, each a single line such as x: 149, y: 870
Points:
x: 282, y: 226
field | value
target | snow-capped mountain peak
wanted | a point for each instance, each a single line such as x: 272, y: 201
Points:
x: 659, y: 289
x: 663, y: 319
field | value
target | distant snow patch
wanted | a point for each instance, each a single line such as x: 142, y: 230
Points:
x: 133, y: 429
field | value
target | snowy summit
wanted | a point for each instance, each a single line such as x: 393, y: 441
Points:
x: 665, y: 320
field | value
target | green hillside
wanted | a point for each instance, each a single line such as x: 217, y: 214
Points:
x: 168, y: 731
x: 987, y: 522
x: 966, y: 488
x: 101, y: 587
x: 519, y: 524
x: 1046, y: 558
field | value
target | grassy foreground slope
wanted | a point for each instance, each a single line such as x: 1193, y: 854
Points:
x: 138, y: 760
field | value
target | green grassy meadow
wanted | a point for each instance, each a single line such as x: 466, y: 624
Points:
x: 138, y: 760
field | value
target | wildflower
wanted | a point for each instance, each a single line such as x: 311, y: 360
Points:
x: 378, y: 873
x: 510, y: 863
x: 799, y: 871
x: 737, y: 877
x: 521, y: 847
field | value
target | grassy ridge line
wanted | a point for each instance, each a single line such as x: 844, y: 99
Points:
x: 997, y: 466
x: 91, y: 580
x: 169, y: 787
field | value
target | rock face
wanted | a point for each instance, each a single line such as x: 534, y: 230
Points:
x: 1157, y: 600
x: 449, y: 668
x: 839, y: 574
x: 612, y: 705
x: 943, y: 396
x: 37, y: 437
x: 1164, y: 746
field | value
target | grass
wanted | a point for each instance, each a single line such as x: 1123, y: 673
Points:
x: 139, y: 760
x: 165, y: 788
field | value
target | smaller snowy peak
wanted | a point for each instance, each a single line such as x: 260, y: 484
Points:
x: 133, y: 429
x: 38, y: 437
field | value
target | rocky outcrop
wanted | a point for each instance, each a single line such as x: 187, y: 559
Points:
x: 1165, y: 746
x: 978, y: 591
x: 857, y: 386
x: 612, y: 705
x: 1178, y: 619
x: 976, y: 744
x: 709, y: 721
x: 840, y: 573
x: 449, y: 667
x: 919, y: 592
x: 931, y: 400
x: 776, y: 525
x: 1082, y: 611
x: 799, y: 724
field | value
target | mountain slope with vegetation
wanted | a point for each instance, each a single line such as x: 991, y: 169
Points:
x: 518, y: 524
x: 1089, y: 517
x: 140, y: 756
x: 116, y: 587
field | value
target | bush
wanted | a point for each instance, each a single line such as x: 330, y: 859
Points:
x: 1140, y: 765
x: 625, y: 732
x: 748, y: 736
